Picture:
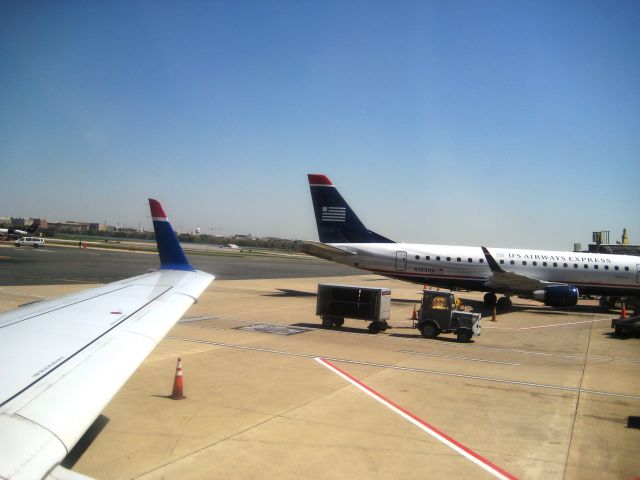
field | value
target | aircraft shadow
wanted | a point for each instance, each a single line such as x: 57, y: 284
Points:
x: 290, y: 293
x: 478, y: 306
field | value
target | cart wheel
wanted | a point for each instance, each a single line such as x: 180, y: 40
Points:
x: 429, y: 330
x: 464, y: 335
x: 384, y: 326
x: 338, y: 322
x: 327, y: 322
x: 374, y: 327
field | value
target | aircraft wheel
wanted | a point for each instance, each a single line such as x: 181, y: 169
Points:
x: 464, y: 335
x: 429, y: 330
x: 374, y: 327
x: 504, y: 304
x: 490, y: 299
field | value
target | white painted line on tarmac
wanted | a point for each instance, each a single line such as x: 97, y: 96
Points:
x: 565, y: 324
x: 458, y: 358
x: 421, y: 424
x: 408, y: 369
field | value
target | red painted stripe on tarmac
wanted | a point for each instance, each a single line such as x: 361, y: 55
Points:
x: 467, y: 452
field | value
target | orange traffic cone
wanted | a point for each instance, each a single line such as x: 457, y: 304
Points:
x: 493, y: 315
x: 177, y: 393
x: 623, y: 312
x: 414, y: 315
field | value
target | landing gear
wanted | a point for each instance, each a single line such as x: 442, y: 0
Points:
x: 504, y: 304
x: 490, y: 299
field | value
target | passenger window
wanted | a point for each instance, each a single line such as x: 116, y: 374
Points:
x: 565, y: 265
x: 448, y: 259
x: 512, y: 262
x: 595, y: 266
x: 626, y: 269
x: 417, y: 257
x: 616, y: 268
x: 586, y: 266
x: 428, y: 257
x: 470, y: 260
x: 606, y: 267
x: 459, y: 259
x: 535, y: 264
x: 438, y: 258
x: 544, y: 264
x: 555, y: 264
x: 524, y: 262
x: 481, y: 260
x: 575, y: 265
x: 501, y: 262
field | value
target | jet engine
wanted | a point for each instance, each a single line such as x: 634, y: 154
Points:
x: 557, y: 295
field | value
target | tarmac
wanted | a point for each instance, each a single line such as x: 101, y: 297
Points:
x: 542, y: 393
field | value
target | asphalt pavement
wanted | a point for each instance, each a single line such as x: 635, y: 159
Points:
x: 63, y: 265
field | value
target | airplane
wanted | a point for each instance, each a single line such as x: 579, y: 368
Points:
x: 64, y: 359
x: 11, y: 231
x: 555, y: 278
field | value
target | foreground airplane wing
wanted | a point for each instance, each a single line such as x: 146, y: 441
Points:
x: 64, y: 359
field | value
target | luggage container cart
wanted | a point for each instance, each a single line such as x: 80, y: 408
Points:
x: 337, y: 302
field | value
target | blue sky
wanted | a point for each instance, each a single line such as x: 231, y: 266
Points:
x: 512, y: 124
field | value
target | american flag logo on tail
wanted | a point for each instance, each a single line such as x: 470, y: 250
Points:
x: 334, y: 214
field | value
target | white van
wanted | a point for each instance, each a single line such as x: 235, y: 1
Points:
x: 34, y: 242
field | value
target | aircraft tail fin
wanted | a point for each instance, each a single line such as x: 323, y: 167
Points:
x: 336, y: 221
x: 172, y: 256
x: 33, y: 227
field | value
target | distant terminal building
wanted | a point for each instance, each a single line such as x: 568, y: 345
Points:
x: 76, y: 227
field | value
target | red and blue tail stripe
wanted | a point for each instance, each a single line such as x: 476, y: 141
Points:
x: 171, y: 255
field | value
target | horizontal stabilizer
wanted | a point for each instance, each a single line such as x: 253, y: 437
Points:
x: 324, y: 251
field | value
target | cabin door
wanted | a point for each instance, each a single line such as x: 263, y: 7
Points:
x: 401, y: 261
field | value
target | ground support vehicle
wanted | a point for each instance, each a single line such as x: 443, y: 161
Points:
x: 337, y: 302
x: 34, y: 242
x: 626, y: 327
x: 438, y: 315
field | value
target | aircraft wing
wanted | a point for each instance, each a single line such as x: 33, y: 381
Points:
x: 325, y: 251
x: 502, y: 280
x: 64, y: 359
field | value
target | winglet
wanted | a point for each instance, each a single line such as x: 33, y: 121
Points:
x: 171, y: 255
x: 493, y: 265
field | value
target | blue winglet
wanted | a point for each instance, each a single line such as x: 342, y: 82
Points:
x: 171, y: 255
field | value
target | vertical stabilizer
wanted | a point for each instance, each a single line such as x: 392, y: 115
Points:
x: 336, y: 221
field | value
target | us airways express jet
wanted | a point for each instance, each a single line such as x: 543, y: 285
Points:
x: 555, y: 278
